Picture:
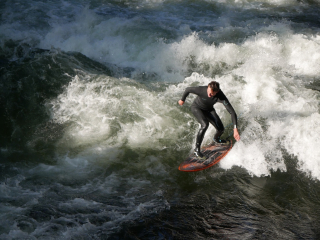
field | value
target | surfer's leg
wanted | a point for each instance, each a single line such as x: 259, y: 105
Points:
x: 204, y: 124
x: 215, y: 120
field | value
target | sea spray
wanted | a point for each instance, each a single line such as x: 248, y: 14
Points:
x: 93, y: 134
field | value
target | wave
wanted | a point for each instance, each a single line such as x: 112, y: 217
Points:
x: 92, y: 134
x: 262, y: 76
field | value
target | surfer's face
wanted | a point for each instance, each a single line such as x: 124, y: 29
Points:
x: 210, y: 92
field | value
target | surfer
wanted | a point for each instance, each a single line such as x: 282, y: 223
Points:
x: 202, y: 108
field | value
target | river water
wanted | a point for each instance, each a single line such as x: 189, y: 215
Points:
x: 92, y: 136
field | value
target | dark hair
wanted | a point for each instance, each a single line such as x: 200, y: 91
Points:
x: 215, y: 86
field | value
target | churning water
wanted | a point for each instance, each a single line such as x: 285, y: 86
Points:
x: 92, y: 135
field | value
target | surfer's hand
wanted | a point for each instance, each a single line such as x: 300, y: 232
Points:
x: 181, y: 102
x: 236, y: 134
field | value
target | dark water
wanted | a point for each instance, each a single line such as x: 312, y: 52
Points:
x: 91, y: 133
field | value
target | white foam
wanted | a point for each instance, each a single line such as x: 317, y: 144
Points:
x: 274, y: 97
x: 274, y: 104
x: 304, y: 53
x: 300, y: 138
x: 263, y: 77
x: 120, y: 111
x: 113, y: 111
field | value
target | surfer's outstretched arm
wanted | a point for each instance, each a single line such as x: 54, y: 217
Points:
x: 194, y: 90
x: 188, y: 90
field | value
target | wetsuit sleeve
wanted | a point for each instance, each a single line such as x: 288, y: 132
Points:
x: 233, y: 114
x: 188, y: 90
x: 223, y: 99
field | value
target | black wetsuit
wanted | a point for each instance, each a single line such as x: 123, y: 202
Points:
x: 203, y: 110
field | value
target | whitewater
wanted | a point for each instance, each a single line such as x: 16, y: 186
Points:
x: 92, y: 134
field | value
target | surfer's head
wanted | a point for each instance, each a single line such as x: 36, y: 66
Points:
x: 213, y: 88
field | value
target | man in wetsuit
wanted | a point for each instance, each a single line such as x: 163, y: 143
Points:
x: 202, y: 108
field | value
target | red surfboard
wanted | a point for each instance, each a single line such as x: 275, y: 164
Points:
x: 212, y: 155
